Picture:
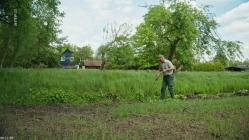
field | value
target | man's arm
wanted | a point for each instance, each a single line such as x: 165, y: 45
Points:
x: 171, y: 67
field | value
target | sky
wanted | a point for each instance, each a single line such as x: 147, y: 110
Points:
x: 85, y: 19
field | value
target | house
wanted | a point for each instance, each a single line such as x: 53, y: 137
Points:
x: 92, y: 64
x: 67, y: 58
x: 237, y: 68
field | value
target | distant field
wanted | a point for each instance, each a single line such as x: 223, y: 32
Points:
x: 31, y: 86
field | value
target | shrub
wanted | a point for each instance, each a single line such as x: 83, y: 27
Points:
x: 43, y: 95
x: 208, y: 66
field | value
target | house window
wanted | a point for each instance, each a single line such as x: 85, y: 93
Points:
x: 62, y: 58
x: 71, y: 59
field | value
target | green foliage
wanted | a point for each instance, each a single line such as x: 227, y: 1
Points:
x: 209, y: 66
x: 76, y: 86
x: 236, y: 62
x: 83, y: 53
x: 179, y: 31
x: 221, y: 58
x: 175, y: 30
x: 29, y: 32
x: 118, y: 53
x: 230, y: 49
x: 44, y: 95
x: 227, y: 50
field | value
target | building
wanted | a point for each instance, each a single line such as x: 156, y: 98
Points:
x: 237, y: 68
x: 67, y: 58
x: 92, y: 64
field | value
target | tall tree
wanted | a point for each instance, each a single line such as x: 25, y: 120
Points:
x: 177, y: 30
x: 28, y: 30
x: 227, y: 51
x: 118, y: 52
x: 83, y: 53
x: 101, y: 53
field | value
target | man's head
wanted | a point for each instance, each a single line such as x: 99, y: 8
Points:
x: 162, y: 58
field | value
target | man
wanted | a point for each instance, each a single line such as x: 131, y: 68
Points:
x: 167, y: 69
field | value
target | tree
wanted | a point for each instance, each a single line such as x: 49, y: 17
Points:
x: 237, y: 62
x: 227, y: 50
x: 83, y: 53
x: 221, y: 57
x: 177, y: 30
x: 118, y: 52
x: 28, y: 30
x: 101, y: 53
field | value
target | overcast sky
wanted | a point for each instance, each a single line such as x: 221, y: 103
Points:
x: 85, y: 19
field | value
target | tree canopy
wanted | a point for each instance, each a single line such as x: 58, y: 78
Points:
x: 29, y: 37
x: 28, y: 32
x: 179, y: 31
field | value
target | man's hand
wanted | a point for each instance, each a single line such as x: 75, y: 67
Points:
x: 168, y: 70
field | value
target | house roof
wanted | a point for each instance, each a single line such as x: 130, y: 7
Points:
x: 67, y: 51
x: 92, y: 62
x: 242, y: 66
x: 238, y: 68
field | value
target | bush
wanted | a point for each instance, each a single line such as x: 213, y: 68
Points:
x: 43, y: 95
x: 208, y: 66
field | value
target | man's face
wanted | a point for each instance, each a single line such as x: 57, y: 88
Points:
x: 161, y: 59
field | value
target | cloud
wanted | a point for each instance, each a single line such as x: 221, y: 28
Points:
x: 75, y: 25
x: 242, y: 11
x: 235, y: 26
x: 212, y: 2
x: 85, y: 19
x: 99, y: 4
x: 109, y: 9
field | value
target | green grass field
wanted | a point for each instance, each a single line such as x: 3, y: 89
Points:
x: 93, y: 104
x: 27, y: 86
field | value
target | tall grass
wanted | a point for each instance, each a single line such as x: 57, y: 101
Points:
x: 77, y: 86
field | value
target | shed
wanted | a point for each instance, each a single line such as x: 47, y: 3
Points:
x: 237, y: 68
x: 92, y: 64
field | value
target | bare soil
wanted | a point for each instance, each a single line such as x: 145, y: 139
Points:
x: 95, y: 121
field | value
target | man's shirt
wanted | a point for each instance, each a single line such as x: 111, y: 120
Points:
x: 166, y: 65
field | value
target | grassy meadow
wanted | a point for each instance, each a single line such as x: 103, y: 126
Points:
x: 113, y: 104
x: 32, y: 86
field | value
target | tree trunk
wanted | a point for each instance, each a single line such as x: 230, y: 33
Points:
x: 5, y: 54
x: 103, y: 62
x: 3, y: 59
x: 172, y: 50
